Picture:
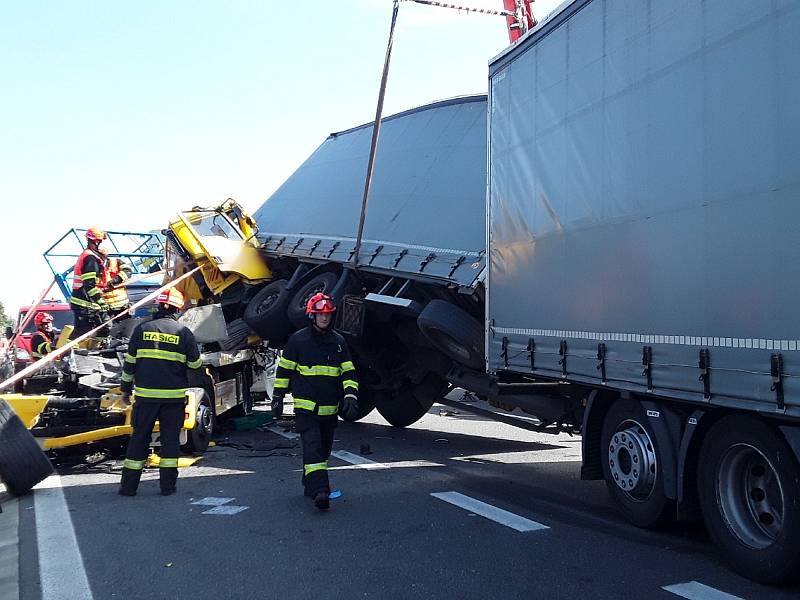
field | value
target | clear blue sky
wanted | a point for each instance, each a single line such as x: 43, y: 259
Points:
x: 119, y: 114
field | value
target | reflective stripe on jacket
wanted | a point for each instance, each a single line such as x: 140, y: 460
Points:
x: 159, y: 354
x: 87, y: 281
x: 316, y: 367
x: 41, y: 344
x: 116, y: 273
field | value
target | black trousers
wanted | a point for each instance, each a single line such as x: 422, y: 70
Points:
x: 113, y: 312
x: 316, y: 437
x: 85, y: 320
x: 170, y: 418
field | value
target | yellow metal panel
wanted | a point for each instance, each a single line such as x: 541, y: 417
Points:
x: 64, y: 336
x: 186, y: 237
x: 28, y: 408
x: 190, y: 412
x: 90, y: 436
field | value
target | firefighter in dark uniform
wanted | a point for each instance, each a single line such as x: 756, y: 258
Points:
x: 42, y: 340
x: 87, y: 301
x: 159, y: 353
x: 316, y: 368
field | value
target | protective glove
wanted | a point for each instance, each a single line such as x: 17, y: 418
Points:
x: 277, y: 407
x: 348, y: 407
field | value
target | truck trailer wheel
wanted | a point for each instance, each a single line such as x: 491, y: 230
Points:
x: 631, y: 465
x: 321, y: 282
x: 409, y: 403
x: 454, y: 332
x: 266, y: 312
x: 199, y: 437
x: 749, y: 486
x: 23, y: 464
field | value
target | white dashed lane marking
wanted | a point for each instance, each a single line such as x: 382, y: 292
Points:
x: 220, y: 505
x: 498, y: 515
x: 228, y: 509
x: 694, y: 590
x: 213, y: 501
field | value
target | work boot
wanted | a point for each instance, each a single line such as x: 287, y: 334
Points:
x: 321, y: 501
x: 129, y: 482
x: 167, y: 478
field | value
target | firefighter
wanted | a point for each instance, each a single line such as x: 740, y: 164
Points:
x: 159, y: 353
x: 42, y: 340
x: 316, y: 368
x: 87, y: 301
x: 117, y: 273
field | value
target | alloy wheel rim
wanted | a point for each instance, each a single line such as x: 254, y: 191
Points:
x: 632, y: 460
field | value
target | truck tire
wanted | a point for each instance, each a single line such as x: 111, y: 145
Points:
x: 200, y: 435
x: 23, y: 464
x: 409, y: 403
x: 749, y: 485
x: 238, y: 332
x: 631, y: 465
x: 454, y: 332
x: 266, y: 312
x: 321, y: 282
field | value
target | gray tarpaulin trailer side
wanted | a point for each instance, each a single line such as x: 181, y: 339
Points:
x: 644, y: 203
x: 421, y: 263
x: 426, y: 208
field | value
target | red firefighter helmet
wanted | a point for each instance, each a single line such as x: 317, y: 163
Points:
x: 171, y: 297
x: 95, y: 234
x: 320, y: 303
x: 42, y: 318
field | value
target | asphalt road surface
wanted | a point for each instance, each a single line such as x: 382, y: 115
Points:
x: 456, y: 506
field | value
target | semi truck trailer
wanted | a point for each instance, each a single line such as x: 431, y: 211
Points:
x: 609, y: 243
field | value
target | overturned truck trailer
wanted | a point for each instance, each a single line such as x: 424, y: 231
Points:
x: 421, y: 262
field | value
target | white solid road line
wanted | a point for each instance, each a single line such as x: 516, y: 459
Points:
x: 359, y: 462
x: 490, y: 512
x: 348, y: 457
x: 552, y: 455
x: 353, y: 459
x: 61, y: 568
x: 694, y: 590
x: 9, y: 549
x: 378, y: 466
